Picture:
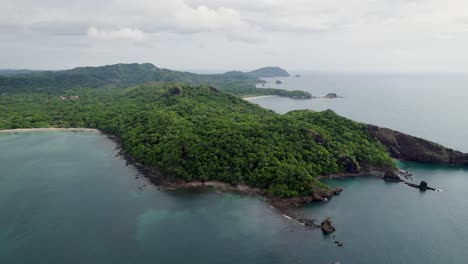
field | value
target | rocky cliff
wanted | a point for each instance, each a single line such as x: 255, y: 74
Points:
x: 410, y: 148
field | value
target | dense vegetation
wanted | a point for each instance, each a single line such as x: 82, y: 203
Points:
x: 198, y: 132
x: 126, y: 75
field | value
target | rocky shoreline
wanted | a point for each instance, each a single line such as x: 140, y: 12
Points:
x: 409, y: 148
x: 48, y: 129
x: 401, y: 146
x: 286, y: 206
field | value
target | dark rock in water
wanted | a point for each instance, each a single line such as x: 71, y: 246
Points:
x: 391, y: 175
x: 339, y: 243
x: 423, y: 185
x: 298, y: 75
x: 308, y: 223
x: 279, y: 82
x: 327, y: 226
x: 406, y: 147
x: 332, y: 96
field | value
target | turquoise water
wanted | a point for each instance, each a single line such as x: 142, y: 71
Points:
x: 65, y: 197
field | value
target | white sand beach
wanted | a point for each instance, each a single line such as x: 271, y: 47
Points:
x: 256, y: 97
x: 19, y: 130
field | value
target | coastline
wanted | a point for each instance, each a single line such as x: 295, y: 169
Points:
x: 22, y: 130
x: 286, y: 206
x: 248, y: 98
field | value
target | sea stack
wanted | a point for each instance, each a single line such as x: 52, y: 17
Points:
x: 327, y: 226
x: 423, y: 186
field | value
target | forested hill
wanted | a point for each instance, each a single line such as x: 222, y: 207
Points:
x: 9, y: 72
x: 126, y: 75
x: 269, y: 72
x: 200, y: 133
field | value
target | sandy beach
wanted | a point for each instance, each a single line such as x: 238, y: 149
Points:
x: 45, y: 129
x: 256, y: 97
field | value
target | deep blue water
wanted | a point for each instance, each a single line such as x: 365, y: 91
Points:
x: 66, y: 198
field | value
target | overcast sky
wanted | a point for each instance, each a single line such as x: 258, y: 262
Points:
x: 324, y: 35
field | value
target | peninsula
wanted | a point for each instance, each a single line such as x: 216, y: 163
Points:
x: 184, y: 134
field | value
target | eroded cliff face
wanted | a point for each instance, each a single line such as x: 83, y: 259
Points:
x: 405, y: 147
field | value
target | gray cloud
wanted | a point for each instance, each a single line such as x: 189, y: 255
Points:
x: 356, y: 35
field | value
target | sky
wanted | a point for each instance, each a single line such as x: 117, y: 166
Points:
x: 217, y: 35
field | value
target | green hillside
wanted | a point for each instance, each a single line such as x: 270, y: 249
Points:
x: 198, y: 132
x: 126, y: 75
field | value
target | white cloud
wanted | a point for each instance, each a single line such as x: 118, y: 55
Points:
x: 125, y: 33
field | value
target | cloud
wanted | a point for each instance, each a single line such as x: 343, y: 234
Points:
x: 180, y: 17
x: 316, y: 34
x: 125, y: 33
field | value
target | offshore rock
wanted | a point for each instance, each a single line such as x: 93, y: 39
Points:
x: 327, y: 226
x: 332, y: 96
x: 423, y: 186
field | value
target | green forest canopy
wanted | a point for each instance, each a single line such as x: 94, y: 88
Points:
x: 200, y: 133
x: 126, y: 75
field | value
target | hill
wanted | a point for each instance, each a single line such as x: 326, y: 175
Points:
x: 268, y: 72
x: 9, y: 72
x: 126, y: 75
x: 187, y: 133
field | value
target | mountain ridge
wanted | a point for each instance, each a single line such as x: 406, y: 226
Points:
x: 127, y: 75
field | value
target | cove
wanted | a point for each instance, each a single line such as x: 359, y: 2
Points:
x: 67, y: 197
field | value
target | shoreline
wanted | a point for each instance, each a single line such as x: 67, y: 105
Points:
x: 248, y: 98
x: 285, y: 206
x: 49, y: 129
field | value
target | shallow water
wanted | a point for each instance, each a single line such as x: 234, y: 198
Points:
x: 66, y: 198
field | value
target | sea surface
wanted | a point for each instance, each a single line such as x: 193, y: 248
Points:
x: 66, y: 197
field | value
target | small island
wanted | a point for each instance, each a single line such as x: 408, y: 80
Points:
x: 332, y: 96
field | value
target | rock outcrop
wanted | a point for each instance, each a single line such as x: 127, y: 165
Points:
x: 327, y: 226
x: 332, y: 96
x: 392, y: 176
x: 405, y: 147
x: 337, y: 190
x: 350, y: 165
x: 339, y: 243
x: 422, y: 186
